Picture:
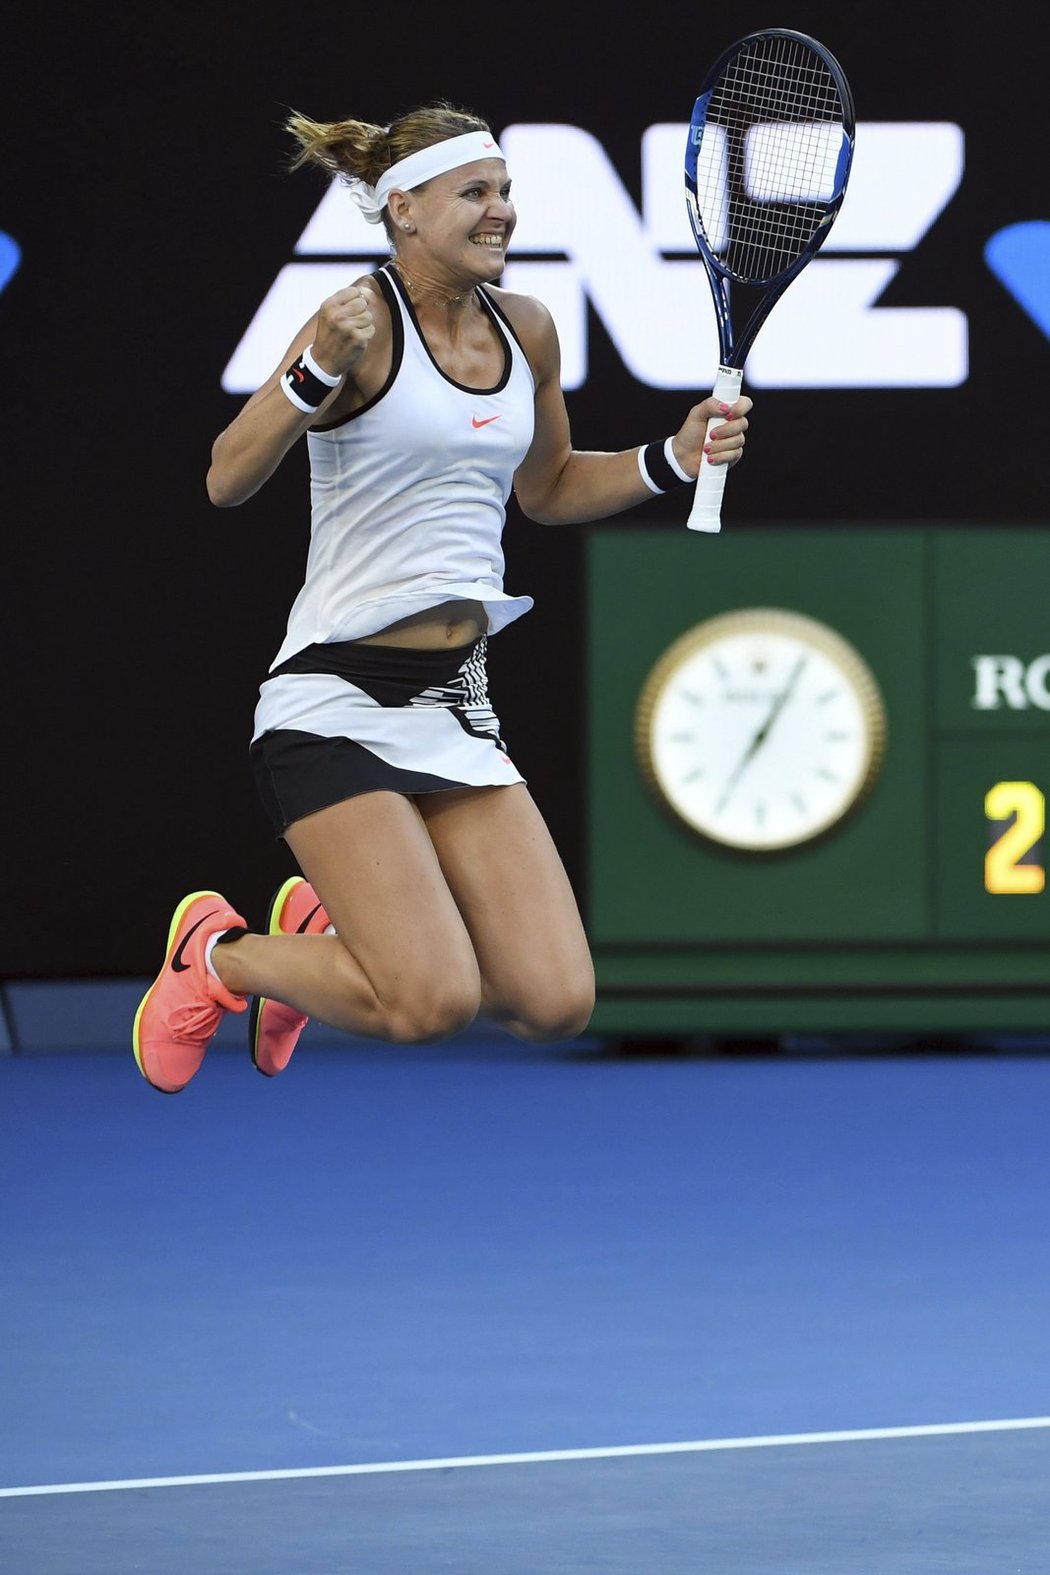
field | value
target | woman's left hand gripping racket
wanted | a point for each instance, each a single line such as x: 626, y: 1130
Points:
x: 769, y: 153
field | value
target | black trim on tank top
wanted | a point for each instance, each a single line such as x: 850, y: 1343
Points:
x: 494, y: 306
x: 465, y: 388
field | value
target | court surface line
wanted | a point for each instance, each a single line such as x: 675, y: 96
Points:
x: 542, y: 1456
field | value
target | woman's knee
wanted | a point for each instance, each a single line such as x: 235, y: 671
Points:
x: 553, y: 1013
x: 404, y: 1004
x: 416, y: 1018
x: 432, y: 1009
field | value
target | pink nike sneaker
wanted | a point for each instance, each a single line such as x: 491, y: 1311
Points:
x: 183, y: 1007
x: 273, y: 1028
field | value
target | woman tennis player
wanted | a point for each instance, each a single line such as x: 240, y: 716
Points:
x: 431, y: 889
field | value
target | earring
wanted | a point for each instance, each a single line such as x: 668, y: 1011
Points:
x: 407, y: 226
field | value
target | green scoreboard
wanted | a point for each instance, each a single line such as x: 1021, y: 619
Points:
x: 818, y: 765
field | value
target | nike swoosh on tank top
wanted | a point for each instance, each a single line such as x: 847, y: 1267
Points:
x: 409, y: 494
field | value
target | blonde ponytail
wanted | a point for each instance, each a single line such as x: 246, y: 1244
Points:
x: 358, y: 149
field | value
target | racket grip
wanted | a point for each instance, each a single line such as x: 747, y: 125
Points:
x: 706, y: 512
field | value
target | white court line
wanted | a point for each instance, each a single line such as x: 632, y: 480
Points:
x: 541, y: 1456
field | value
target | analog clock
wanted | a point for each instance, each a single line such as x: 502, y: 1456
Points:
x: 761, y: 729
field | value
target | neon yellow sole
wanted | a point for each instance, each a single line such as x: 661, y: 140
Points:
x: 172, y: 932
x: 273, y: 927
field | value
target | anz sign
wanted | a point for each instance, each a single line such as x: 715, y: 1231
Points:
x: 580, y: 241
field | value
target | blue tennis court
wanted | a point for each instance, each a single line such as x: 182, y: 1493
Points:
x: 482, y: 1308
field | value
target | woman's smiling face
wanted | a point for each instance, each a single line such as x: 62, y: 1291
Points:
x: 463, y: 219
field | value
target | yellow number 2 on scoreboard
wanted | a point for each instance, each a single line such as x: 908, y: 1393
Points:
x: 1024, y: 806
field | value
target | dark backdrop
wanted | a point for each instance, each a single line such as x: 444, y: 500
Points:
x: 143, y: 182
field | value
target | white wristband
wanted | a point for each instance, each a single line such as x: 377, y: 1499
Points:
x: 333, y: 381
x: 650, y: 483
x: 675, y: 466
x: 290, y: 394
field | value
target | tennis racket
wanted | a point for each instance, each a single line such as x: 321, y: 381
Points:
x: 769, y: 153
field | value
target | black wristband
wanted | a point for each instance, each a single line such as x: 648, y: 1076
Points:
x: 305, y: 391
x: 303, y: 387
x: 657, y: 470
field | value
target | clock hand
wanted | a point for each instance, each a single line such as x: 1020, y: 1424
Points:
x: 763, y: 733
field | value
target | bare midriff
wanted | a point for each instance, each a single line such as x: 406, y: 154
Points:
x: 434, y: 628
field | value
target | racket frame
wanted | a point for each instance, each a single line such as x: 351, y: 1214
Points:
x: 734, y: 345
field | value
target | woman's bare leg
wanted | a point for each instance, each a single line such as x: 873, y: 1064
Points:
x: 401, y: 965
x: 511, y: 888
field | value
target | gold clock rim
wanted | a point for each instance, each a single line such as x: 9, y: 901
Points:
x: 816, y: 633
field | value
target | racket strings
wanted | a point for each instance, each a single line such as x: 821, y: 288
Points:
x: 768, y: 157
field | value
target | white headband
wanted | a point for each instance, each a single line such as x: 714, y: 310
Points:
x: 422, y: 166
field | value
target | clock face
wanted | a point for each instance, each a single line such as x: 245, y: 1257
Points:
x: 760, y: 729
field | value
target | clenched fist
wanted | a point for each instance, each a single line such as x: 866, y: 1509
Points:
x: 345, y: 324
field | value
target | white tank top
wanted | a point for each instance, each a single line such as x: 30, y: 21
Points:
x: 408, y: 494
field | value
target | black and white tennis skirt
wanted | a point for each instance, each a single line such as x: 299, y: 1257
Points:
x: 341, y: 718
